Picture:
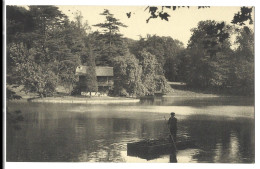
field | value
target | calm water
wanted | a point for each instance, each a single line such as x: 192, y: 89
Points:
x: 222, y: 128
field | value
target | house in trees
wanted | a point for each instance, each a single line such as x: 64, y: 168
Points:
x: 104, y: 76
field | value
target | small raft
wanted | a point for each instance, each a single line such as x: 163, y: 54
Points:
x: 153, y: 148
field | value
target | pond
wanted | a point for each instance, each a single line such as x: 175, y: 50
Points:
x: 222, y: 128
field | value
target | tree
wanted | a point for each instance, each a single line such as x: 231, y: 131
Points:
x: 18, y: 21
x: 138, y: 77
x: 209, y: 49
x: 135, y: 86
x: 127, y: 76
x: 165, y: 49
x: 47, y: 19
x: 110, y: 38
x: 183, y: 67
x: 162, y: 13
x: 65, y: 47
x: 101, y: 48
x: 91, y: 77
x: 242, y: 63
x: 45, y: 55
x: 243, y: 15
x: 27, y: 49
x: 120, y: 79
x: 33, y: 76
x: 245, y: 42
x: 148, y: 62
x: 152, y: 77
x: 80, y: 44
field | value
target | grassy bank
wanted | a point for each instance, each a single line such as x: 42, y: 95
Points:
x: 181, y: 90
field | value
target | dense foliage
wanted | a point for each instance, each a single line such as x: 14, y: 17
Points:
x: 44, y: 48
x: 209, y: 61
x: 242, y: 63
x: 165, y: 50
x: 209, y: 49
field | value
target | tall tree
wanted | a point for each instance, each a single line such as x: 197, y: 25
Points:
x: 28, y: 50
x: 152, y: 76
x: 165, y: 49
x: 81, y: 45
x: 148, y: 62
x: 128, y: 76
x: 41, y: 58
x: 91, y: 78
x: 138, y: 77
x: 19, y: 21
x: 242, y: 76
x: 111, y: 38
x: 209, y: 48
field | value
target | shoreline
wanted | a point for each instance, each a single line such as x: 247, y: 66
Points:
x: 86, y: 101
x: 102, y: 100
x: 175, y: 93
x: 80, y: 100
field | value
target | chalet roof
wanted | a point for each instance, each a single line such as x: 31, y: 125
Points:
x: 100, y: 70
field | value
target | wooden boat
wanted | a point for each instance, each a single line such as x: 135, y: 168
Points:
x: 151, y: 149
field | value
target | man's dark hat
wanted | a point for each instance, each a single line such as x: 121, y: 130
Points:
x: 172, y: 113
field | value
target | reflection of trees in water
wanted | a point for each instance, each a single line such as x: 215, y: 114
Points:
x: 109, y: 153
x: 68, y: 136
x: 200, y: 101
x: 14, y: 118
x: 63, y: 136
x: 220, y: 137
x: 116, y: 133
x: 173, y: 158
x: 13, y: 126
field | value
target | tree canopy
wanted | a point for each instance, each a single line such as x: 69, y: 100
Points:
x: 44, y: 48
x: 45, y: 55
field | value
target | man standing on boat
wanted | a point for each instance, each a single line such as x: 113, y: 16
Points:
x: 172, y: 122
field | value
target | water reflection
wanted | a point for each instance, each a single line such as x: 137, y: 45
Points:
x: 173, y: 155
x: 199, y: 101
x: 230, y: 140
x: 173, y: 158
x: 14, y: 119
x: 101, y: 133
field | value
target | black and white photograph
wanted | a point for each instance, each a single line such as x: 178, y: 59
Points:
x: 130, y: 84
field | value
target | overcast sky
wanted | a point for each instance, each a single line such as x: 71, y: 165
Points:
x: 178, y: 27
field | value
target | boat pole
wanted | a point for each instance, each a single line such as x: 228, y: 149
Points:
x: 173, y: 142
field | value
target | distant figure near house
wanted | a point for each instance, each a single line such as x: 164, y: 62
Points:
x: 172, y: 122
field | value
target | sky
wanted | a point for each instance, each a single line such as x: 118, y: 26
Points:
x: 178, y: 27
